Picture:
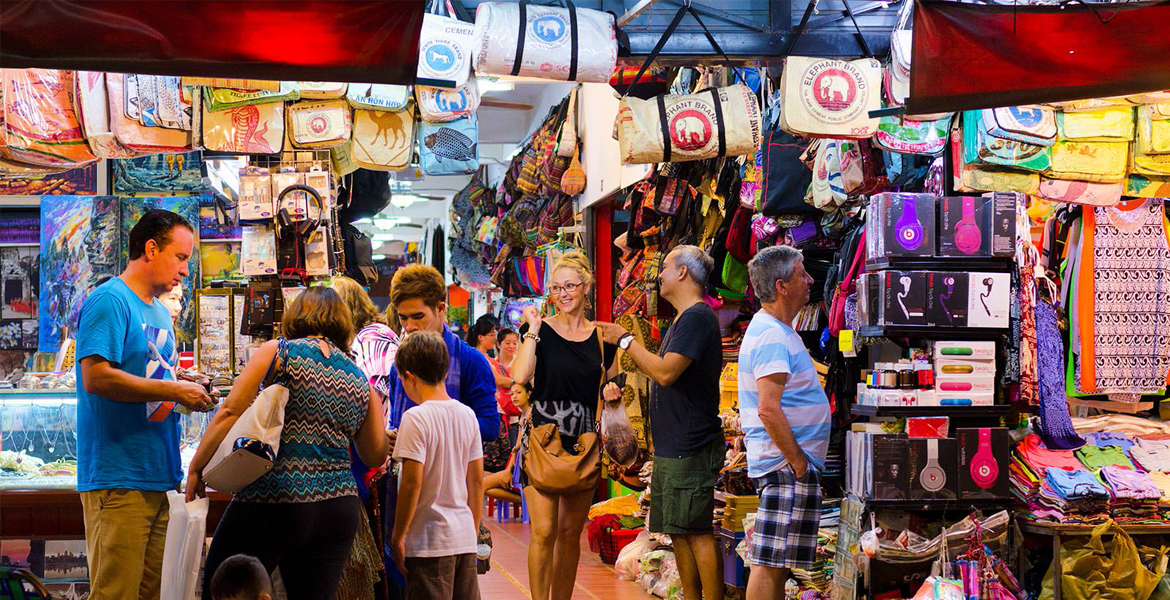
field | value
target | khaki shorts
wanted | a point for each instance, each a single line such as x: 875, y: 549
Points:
x: 125, y: 531
x: 442, y: 578
x: 682, y: 492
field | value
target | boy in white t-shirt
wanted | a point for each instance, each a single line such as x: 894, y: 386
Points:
x: 436, y: 524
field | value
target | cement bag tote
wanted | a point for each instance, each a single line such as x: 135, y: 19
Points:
x: 252, y: 444
x: 1157, y: 165
x: 378, y: 96
x: 445, y: 48
x: 830, y: 98
x: 1034, y: 125
x: 972, y: 178
x: 321, y: 124
x: 437, y: 105
x: 322, y: 90
x: 225, y: 98
x: 449, y: 148
x: 785, y: 179
x: 130, y: 133
x: 92, y: 103
x: 1138, y: 186
x: 1080, y: 192
x: 901, y: 135
x: 528, y: 40
x: 252, y: 129
x: 382, y: 140
x: 1107, y: 125
x: 240, y: 84
x: 40, y: 126
x: 1153, y: 133
x: 1102, y: 162
x: 982, y: 148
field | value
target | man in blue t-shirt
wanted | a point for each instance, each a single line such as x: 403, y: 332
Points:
x: 785, y: 418
x: 127, y: 432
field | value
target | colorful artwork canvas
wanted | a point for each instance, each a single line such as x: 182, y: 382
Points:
x: 19, y: 225
x: 81, y: 181
x: 220, y: 260
x: 188, y: 206
x: 19, y: 282
x: 79, y: 251
x: 215, y: 224
x: 159, y: 173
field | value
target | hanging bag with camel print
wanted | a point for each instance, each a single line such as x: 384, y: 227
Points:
x: 718, y: 121
x: 382, y: 140
x: 822, y: 97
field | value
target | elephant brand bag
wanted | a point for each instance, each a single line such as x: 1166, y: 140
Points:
x: 527, y: 40
x: 551, y: 468
x: 445, y: 48
x: 449, y: 148
x: 715, y: 122
x: 40, y: 126
x: 322, y: 90
x: 378, y: 96
x: 322, y: 124
x: 251, y: 129
x: 382, y: 140
x: 437, y: 105
x: 830, y: 98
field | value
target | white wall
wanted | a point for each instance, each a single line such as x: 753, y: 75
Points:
x: 597, y: 107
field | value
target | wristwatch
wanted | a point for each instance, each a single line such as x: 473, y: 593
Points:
x: 625, y: 341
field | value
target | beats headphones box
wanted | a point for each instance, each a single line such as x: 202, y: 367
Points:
x: 977, y: 225
x: 946, y: 301
x: 901, y: 225
x: 983, y: 462
x: 891, y: 467
x: 988, y: 299
x: 903, y: 298
x: 933, y: 469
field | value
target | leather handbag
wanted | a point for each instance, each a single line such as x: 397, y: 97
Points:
x: 552, y: 469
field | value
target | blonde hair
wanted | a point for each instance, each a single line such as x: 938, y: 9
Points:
x: 576, y: 261
x: 359, y: 303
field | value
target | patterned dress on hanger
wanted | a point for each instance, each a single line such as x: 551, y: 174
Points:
x: 1130, y: 302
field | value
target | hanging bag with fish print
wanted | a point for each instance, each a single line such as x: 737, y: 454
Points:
x: 449, y: 148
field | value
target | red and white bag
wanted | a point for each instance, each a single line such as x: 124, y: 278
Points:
x: 714, y: 122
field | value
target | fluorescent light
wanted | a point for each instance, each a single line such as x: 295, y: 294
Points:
x: 390, y: 222
x: 378, y: 257
x: 405, y: 200
x: 384, y: 237
x: 487, y: 85
x: 365, y: 221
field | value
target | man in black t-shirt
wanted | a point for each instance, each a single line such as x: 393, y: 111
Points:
x: 684, y: 420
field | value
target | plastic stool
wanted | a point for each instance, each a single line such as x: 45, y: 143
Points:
x: 503, y: 511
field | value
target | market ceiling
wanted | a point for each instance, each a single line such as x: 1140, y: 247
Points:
x: 369, y: 41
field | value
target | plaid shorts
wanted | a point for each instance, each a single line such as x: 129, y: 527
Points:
x: 787, y: 520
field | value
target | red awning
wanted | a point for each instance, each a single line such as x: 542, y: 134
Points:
x: 970, y: 56
x: 368, y: 41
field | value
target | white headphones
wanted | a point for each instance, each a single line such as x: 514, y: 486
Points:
x: 933, y: 477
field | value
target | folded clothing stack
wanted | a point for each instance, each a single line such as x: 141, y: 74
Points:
x: 1135, y: 496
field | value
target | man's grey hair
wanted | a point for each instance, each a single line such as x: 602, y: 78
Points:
x: 698, y: 263
x: 769, y: 265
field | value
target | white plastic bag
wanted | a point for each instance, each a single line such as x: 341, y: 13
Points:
x: 619, y: 442
x: 183, y: 552
x: 627, y: 562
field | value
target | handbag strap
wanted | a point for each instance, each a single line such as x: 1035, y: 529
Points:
x: 573, y: 38
x: 282, y: 354
x: 678, y: 17
x: 601, y: 388
x: 801, y: 28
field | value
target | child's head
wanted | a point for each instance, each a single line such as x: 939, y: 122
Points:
x: 241, y: 577
x: 421, y: 361
x: 520, y: 393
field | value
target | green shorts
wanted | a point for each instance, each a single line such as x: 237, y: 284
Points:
x: 682, y: 491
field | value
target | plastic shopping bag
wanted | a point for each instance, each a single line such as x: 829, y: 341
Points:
x: 1105, y: 569
x: 183, y: 552
x: 628, y: 559
x: 620, y: 443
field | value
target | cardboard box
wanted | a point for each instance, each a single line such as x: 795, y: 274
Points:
x: 965, y: 384
x: 903, y: 298
x: 901, y: 225
x: 891, y: 467
x: 933, y: 469
x: 965, y: 398
x: 988, y: 299
x: 977, y: 226
x: 984, y: 455
x: 953, y: 366
x: 944, y: 350
x: 946, y: 302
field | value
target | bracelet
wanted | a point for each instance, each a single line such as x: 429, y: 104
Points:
x: 532, y: 336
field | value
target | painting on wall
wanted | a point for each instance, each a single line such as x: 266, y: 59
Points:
x: 81, y: 181
x: 79, y: 251
x: 216, y: 223
x: 188, y: 207
x: 159, y: 173
x: 220, y: 260
x: 20, y: 225
x: 19, y: 281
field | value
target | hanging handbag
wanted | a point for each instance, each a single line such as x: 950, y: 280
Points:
x: 1035, y: 125
x: 1106, y: 125
x: 438, y: 105
x: 898, y: 134
x: 1139, y: 186
x: 553, y: 470
x: 382, y: 140
x: 1080, y: 192
x: 445, y: 48
x: 449, y: 148
x: 252, y: 129
x: 40, y: 125
x: 226, y: 98
x: 674, y: 128
x: 981, y: 148
x: 1153, y: 132
x: 251, y: 446
x: 1101, y: 162
x: 547, y: 42
x: 830, y: 98
x: 131, y: 134
x: 319, y: 124
x: 971, y: 178
x: 92, y: 103
x: 322, y: 90
x: 785, y: 180
x: 378, y: 96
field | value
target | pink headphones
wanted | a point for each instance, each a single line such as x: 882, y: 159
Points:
x: 968, y: 238
x: 984, y: 469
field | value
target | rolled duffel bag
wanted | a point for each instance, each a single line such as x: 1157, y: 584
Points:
x: 565, y: 44
x: 714, y: 122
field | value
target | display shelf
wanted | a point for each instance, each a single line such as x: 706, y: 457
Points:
x: 19, y: 244
x: 62, y: 396
x: 931, y: 332
x: 941, y: 263
x: 998, y: 410
x: 937, y: 504
x: 1129, y: 408
x: 1074, y: 529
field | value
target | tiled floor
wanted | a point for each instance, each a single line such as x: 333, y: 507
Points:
x: 508, y: 577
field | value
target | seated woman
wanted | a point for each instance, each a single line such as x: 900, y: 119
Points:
x: 499, y: 485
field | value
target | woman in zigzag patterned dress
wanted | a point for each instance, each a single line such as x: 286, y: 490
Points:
x: 301, y: 516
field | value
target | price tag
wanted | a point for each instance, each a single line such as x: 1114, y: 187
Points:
x: 845, y: 343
